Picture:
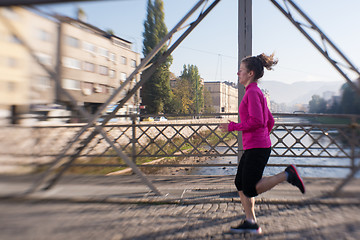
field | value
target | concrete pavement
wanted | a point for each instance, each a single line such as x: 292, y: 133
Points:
x: 191, y: 207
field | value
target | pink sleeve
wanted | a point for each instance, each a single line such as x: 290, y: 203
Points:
x: 255, y: 118
x: 271, y: 121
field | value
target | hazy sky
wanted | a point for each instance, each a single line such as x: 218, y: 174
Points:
x: 212, y: 46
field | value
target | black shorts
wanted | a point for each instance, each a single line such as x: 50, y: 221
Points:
x: 250, y: 170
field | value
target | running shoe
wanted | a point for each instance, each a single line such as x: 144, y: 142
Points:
x: 294, y: 178
x: 246, y: 227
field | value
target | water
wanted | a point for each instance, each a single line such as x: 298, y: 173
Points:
x: 322, y: 172
x: 323, y: 138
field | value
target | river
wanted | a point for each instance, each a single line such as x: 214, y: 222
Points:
x: 323, y: 172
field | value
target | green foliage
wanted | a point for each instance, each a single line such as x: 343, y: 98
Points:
x: 182, y: 98
x: 349, y: 104
x: 189, y: 93
x: 110, y: 32
x: 317, y: 104
x: 350, y: 100
x: 156, y: 93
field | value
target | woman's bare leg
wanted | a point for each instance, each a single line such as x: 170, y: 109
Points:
x: 267, y: 183
x: 249, y: 206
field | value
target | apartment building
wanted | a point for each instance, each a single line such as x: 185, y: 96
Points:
x: 94, y: 64
x: 88, y: 62
x: 224, y: 96
x: 24, y: 82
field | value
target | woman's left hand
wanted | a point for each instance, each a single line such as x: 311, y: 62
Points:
x: 224, y: 127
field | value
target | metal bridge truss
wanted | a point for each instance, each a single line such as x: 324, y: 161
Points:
x: 50, y: 177
x: 65, y: 159
x: 327, y: 48
x: 322, y: 43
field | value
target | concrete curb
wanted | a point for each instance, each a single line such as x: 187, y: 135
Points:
x: 159, y: 200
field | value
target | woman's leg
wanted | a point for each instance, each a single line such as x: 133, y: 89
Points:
x: 249, y: 206
x: 267, y: 183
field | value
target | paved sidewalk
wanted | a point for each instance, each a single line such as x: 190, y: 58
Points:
x: 192, y: 207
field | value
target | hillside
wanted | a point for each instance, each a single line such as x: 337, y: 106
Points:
x: 299, y: 92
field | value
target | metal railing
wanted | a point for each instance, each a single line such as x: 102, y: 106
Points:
x: 291, y: 137
x: 296, y: 136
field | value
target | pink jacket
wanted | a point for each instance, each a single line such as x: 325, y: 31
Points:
x: 256, y: 119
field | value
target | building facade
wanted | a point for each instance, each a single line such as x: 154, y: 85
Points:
x: 224, y: 96
x: 88, y: 62
x: 23, y: 81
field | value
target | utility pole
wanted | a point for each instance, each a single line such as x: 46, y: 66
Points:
x: 244, y: 49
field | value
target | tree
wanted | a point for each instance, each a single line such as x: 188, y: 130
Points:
x: 317, y: 104
x: 182, y: 97
x: 156, y: 93
x: 191, y: 75
x: 350, y: 100
x: 110, y: 32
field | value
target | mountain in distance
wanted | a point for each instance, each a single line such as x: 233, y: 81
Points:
x: 298, y: 92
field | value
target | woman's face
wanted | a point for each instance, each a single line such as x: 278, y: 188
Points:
x: 245, y: 76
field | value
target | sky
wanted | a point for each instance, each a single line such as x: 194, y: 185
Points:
x: 213, y: 45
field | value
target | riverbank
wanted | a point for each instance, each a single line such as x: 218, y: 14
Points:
x: 166, y: 170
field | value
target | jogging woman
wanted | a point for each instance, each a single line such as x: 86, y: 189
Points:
x: 256, y: 125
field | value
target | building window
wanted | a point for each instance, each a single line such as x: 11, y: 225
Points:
x: 44, y: 58
x: 87, y: 88
x: 98, y: 88
x: 43, y: 35
x: 73, y: 42
x: 111, y: 90
x: 112, y: 73
x: 123, y: 60
x: 12, y: 62
x: 9, y: 13
x: 89, y: 47
x: 112, y: 56
x: 43, y: 81
x: 11, y: 86
x: 103, y: 52
x: 71, y: 63
x: 71, y: 84
x: 122, y: 76
x: 90, y: 67
x: 133, y: 63
x: 103, y: 70
x: 15, y: 39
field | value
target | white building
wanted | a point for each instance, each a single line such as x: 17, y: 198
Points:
x: 224, y: 96
x: 88, y: 62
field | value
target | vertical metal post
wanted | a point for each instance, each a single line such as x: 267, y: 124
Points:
x: 57, y: 90
x: 354, y: 142
x: 133, y: 139
x: 244, y: 49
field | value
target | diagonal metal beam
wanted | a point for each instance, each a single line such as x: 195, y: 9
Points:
x: 47, y: 174
x: 325, y: 41
x: 338, y: 188
x: 138, y: 69
x: 338, y: 66
x: 7, y: 3
x: 53, y: 76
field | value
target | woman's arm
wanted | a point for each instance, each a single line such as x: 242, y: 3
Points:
x: 271, y: 121
x: 255, y: 118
